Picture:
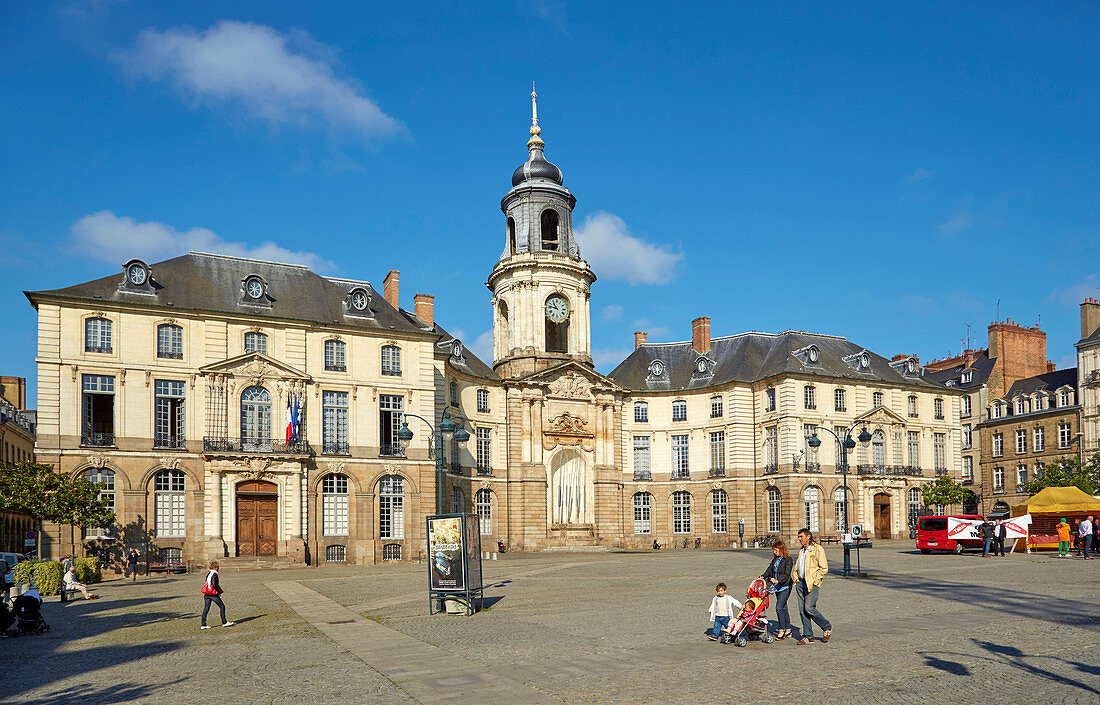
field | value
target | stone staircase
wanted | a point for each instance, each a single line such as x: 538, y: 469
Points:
x: 242, y: 563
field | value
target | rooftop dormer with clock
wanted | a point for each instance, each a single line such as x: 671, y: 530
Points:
x: 540, y: 285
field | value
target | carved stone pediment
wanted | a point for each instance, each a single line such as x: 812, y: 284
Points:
x: 254, y: 369
x: 880, y: 415
x: 254, y: 468
x: 571, y: 386
x: 99, y: 461
x: 568, y: 429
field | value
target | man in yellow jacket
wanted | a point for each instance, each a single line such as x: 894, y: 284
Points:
x: 809, y: 570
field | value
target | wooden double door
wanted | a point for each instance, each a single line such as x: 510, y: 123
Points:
x: 257, y: 519
x: 882, y: 516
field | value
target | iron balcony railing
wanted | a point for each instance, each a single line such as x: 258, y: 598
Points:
x: 392, y: 450
x: 717, y: 472
x: 772, y: 468
x: 681, y: 474
x: 889, y: 470
x: 998, y: 490
x: 940, y: 472
x: 168, y: 442
x: 98, y: 348
x: 97, y: 440
x: 484, y: 470
x: 456, y: 468
x: 170, y: 354
x: 640, y: 475
x: 335, y: 448
x: 813, y: 466
x: 259, y: 446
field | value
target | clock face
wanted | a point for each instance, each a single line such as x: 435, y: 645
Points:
x: 557, y: 308
x: 813, y: 354
x: 359, y: 301
x: 137, y: 274
x: 255, y: 289
x: 701, y: 366
x: 656, y: 368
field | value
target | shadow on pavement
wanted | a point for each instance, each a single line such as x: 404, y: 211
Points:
x: 1012, y: 657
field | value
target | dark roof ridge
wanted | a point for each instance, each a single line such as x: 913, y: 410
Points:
x: 249, y: 259
x: 746, y: 333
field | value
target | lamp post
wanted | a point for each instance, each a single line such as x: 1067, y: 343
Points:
x: 448, y: 428
x: 846, y: 444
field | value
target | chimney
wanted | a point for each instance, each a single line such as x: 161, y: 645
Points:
x: 1090, y: 317
x: 389, y: 288
x: 639, y: 339
x: 1020, y: 352
x: 700, y: 334
x: 423, y: 305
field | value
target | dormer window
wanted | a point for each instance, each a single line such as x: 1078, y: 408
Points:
x: 656, y: 368
x: 1065, y: 398
x: 911, y: 366
x: 456, y: 350
x: 864, y: 360
x: 137, y: 273
x: 358, y: 300
x: 254, y: 288
x: 137, y: 278
x: 701, y: 366
x: 812, y: 354
x: 967, y: 375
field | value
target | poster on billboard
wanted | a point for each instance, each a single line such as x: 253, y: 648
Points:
x: 446, y: 572
x: 1017, y: 527
x: 473, y: 552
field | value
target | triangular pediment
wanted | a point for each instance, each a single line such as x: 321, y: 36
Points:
x: 881, y: 415
x: 255, y: 365
x: 571, y: 379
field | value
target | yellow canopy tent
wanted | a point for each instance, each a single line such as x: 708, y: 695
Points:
x: 1050, y: 506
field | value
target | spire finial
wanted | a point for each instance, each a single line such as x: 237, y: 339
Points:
x: 535, y: 142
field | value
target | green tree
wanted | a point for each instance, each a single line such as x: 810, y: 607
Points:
x: 943, y: 490
x: 46, y: 495
x: 1067, y: 472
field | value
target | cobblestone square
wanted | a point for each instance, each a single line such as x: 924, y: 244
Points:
x: 577, y: 628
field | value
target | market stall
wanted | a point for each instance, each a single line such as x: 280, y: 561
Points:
x: 1050, y: 506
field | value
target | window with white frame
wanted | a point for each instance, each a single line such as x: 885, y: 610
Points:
x: 391, y: 507
x: 1038, y: 440
x: 937, y: 408
x: 483, y: 401
x: 913, y: 496
x: 680, y: 467
x: 715, y: 407
x: 998, y: 445
x: 97, y: 335
x: 681, y: 512
x: 334, y: 504
x: 939, y: 455
x: 809, y: 397
x: 483, y: 500
x: 391, y: 360
x: 718, y: 511
x: 899, y: 449
x: 997, y: 410
x: 641, y: 457
x: 809, y: 430
x: 968, y: 467
x: 998, y: 479
x: 170, y: 341
x: 939, y: 510
x: 839, y: 511
x: 769, y: 400
x: 97, y: 410
x: 255, y: 342
x: 106, y: 478
x: 775, y: 508
x: 1063, y: 435
x: 771, y: 446
x: 912, y: 406
x: 334, y: 423
x: 336, y: 356
x: 717, y: 450
x: 967, y: 375
x: 811, y: 498
x: 641, y: 412
x: 1065, y: 398
x: 168, y: 413
x: 1021, y: 441
x: 877, y: 400
x: 965, y: 406
x: 968, y: 436
x: 679, y: 410
x: 1037, y: 402
x: 914, y: 449
x: 840, y: 403
x: 389, y: 423
x: 643, y: 506
x: 484, y: 454
x: 1021, y: 474
x: 170, y: 504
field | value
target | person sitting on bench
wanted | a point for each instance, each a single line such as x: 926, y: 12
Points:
x: 69, y: 584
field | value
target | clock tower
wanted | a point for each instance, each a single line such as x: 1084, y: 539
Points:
x: 540, y: 285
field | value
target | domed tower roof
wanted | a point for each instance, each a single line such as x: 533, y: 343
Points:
x: 536, y: 166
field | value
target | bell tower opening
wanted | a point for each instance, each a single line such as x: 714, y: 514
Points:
x: 549, y: 230
x: 511, y: 235
x: 557, y: 336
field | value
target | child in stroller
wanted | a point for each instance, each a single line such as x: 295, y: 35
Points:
x: 750, y: 623
x: 28, y: 614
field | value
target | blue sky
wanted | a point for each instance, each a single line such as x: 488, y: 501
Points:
x: 889, y: 172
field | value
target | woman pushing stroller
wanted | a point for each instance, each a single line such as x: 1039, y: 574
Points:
x: 778, y: 577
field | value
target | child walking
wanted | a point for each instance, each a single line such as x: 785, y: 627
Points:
x: 722, y: 608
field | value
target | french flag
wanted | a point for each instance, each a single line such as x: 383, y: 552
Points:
x: 291, y: 418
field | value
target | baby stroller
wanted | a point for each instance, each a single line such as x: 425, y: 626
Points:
x: 28, y: 614
x: 750, y: 623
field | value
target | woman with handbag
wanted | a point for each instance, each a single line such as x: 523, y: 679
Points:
x: 778, y: 576
x: 212, y: 593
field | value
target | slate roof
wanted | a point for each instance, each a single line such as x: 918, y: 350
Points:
x: 468, y: 362
x: 749, y: 357
x: 1047, y: 382
x: 980, y: 370
x: 1092, y: 337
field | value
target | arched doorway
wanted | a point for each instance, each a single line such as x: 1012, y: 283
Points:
x: 257, y: 518
x: 569, y: 501
x: 970, y: 504
x: 882, y: 516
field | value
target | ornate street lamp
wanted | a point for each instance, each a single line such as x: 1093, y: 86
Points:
x: 846, y: 445
x: 448, y: 428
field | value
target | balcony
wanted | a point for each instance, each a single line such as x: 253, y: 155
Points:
x: 642, y: 475
x: 1020, y: 489
x: 336, y: 368
x: 967, y: 481
x: 940, y: 472
x: 255, y: 446
x: 998, y: 490
x: 680, y: 475
x: 170, y: 354
x: 771, y: 469
x: 98, y: 440
x: 907, y: 470
x: 391, y: 450
x: 168, y: 442
x: 813, y: 466
x: 717, y: 472
x: 484, y: 470
x: 98, y: 348
x: 335, y: 448
x: 456, y: 468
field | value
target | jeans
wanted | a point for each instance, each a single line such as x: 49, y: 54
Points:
x: 1086, y: 544
x: 781, y: 613
x: 985, y: 546
x: 807, y: 607
x: 217, y: 600
x: 719, y: 624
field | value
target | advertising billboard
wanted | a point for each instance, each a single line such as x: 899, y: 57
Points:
x: 447, y: 554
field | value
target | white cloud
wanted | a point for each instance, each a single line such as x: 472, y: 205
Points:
x: 960, y: 222
x: 107, y: 237
x: 918, y: 176
x: 609, y: 358
x: 653, y: 332
x: 1089, y: 287
x: 610, y: 313
x: 256, y: 68
x: 616, y: 254
x: 483, y: 347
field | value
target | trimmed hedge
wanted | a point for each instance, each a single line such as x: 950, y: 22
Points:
x: 87, y: 570
x: 45, y: 574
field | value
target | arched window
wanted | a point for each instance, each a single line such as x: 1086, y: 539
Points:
x: 511, y: 236
x: 643, y: 502
x: 937, y: 408
x: 679, y: 410
x: 391, y: 360
x: 840, y: 510
x: 456, y: 500
x: 877, y: 399
x: 549, y: 225
x: 504, y: 330
x: 483, y: 500
x: 913, y: 495
x: 170, y: 341
x: 170, y: 504
x: 1065, y: 398
x: 256, y: 419
x: 839, y: 401
x: 811, y: 497
x: 336, y: 356
x: 255, y: 342
x: 391, y: 507
x: 718, y: 511
x: 775, y: 508
x: 334, y: 504
x: 97, y: 335
x: 641, y: 412
x: 483, y: 401
x: 106, y: 478
x: 681, y: 512
x: 878, y: 449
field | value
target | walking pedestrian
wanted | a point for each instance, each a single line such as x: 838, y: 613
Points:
x: 132, y: 564
x: 809, y: 570
x: 1063, y: 530
x: 212, y: 593
x: 1085, y: 532
x: 778, y: 575
x: 985, y: 530
x: 1000, y: 532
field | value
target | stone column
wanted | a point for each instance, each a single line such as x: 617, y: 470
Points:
x: 536, y: 430
x: 294, y: 531
x: 527, y: 416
